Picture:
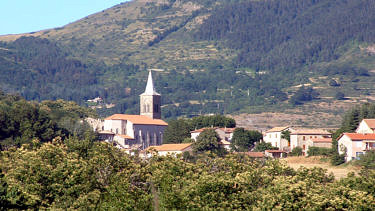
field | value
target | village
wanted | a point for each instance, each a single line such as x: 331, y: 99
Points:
x: 144, y: 134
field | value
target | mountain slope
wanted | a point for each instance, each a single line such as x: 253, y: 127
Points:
x: 217, y: 56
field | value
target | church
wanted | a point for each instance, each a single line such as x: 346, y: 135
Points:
x: 139, y: 131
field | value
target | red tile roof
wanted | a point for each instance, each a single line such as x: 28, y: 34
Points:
x: 370, y: 123
x: 170, y: 147
x: 137, y: 119
x: 321, y: 140
x: 203, y: 129
x: 360, y: 136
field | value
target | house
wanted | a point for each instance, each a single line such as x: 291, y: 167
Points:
x: 300, y: 137
x: 318, y: 142
x: 273, y: 136
x: 106, y: 136
x: 139, y: 131
x: 366, y: 126
x: 355, y: 144
x: 275, y: 153
x: 170, y: 149
x: 224, y: 133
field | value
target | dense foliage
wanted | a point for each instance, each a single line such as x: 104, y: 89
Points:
x: 284, y: 34
x: 22, y: 121
x: 244, y: 140
x: 96, y: 175
x: 178, y: 130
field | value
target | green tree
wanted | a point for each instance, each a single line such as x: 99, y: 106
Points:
x: 243, y: 140
x: 208, y: 140
x: 177, y: 131
x: 262, y: 146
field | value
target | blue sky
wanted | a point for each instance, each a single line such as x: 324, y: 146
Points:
x: 21, y: 16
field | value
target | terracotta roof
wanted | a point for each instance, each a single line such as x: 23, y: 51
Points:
x: 321, y: 140
x: 311, y: 132
x: 277, y: 129
x: 203, y: 129
x: 360, y: 136
x: 370, y: 123
x: 137, y: 119
x: 170, y: 147
x: 274, y: 150
x: 125, y: 136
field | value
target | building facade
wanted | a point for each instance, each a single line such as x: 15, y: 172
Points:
x: 273, y: 136
x: 139, y: 131
x: 302, y: 137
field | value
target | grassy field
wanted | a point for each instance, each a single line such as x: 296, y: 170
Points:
x: 310, y: 162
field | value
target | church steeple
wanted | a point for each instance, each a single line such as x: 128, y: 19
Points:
x: 150, y: 89
x: 150, y: 100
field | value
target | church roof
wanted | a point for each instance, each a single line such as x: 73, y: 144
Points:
x: 137, y: 119
x: 150, y: 89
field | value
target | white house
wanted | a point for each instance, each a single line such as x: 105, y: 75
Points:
x: 273, y: 136
x: 300, y: 137
x: 366, y: 126
x: 355, y: 144
x: 139, y: 131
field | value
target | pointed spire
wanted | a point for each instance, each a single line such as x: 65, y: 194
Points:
x: 150, y: 89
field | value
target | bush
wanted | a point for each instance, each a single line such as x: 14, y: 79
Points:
x: 296, y: 152
x: 316, y: 151
x: 367, y: 161
x: 340, y: 96
x: 337, y: 159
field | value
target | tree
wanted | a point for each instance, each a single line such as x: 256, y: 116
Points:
x: 177, y: 131
x: 243, y: 140
x: 263, y: 146
x: 208, y: 140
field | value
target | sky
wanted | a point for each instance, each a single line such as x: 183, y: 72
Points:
x: 22, y: 16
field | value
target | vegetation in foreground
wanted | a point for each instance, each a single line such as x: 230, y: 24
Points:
x: 79, y: 174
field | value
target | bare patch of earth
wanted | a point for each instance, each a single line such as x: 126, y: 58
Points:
x: 316, y: 161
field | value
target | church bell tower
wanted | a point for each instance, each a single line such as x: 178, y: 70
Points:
x: 150, y: 100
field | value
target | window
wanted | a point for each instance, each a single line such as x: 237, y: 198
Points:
x: 303, y: 138
x: 116, y: 130
x: 124, y: 131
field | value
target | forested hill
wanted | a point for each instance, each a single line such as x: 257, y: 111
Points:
x: 213, y: 56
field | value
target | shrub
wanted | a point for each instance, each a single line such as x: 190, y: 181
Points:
x: 296, y: 152
x: 315, y: 151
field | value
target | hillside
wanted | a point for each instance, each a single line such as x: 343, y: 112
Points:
x: 226, y: 57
